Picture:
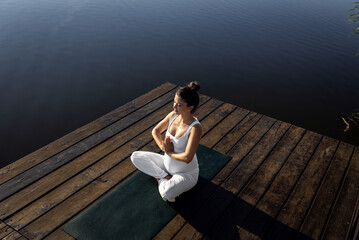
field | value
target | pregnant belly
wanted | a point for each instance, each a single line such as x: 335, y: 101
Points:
x: 175, y: 166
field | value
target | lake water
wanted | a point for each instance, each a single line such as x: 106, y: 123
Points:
x: 66, y: 63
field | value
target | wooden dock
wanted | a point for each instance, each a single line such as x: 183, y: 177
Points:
x: 283, y: 182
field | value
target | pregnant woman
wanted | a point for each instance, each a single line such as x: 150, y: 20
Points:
x: 177, y: 170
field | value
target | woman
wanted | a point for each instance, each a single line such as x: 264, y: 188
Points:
x: 177, y: 170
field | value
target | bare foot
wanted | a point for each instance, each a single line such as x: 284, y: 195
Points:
x: 168, y: 177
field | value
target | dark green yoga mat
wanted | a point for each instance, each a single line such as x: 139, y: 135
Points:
x: 135, y: 210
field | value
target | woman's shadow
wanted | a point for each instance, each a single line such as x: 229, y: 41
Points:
x: 206, y: 203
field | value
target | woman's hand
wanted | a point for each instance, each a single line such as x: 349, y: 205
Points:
x: 168, y: 145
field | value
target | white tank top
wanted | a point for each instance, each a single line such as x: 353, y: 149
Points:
x: 179, y: 144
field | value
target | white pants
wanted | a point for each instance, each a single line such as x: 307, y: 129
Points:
x: 152, y: 164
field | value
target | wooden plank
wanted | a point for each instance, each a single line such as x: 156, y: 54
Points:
x: 24, y: 179
x: 204, y: 110
x: 212, y: 120
x: 2, y: 225
x: 201, y: 221
x: 237, y: 136
x: 224, y: 145
x: 59, y: 234
x: 22, y: 238
x: 5, y: 231
x: 256, y: 156
x: 340, y: 218
x: 62, y: 143
x: 226, y: 226
x: 224, y: 127
x: 288, y: 222
x: 237, y: 133
x: 320, y: 208
x: 13, y: 236
x: 82, y: 199
x: 260, y: 220
x: 44, y: 204
x: 353, y: 232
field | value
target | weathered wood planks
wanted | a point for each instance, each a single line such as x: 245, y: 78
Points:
x: 304, y: 191
x: 283, y: 182
x: 8, y: 233
x: 250, y: 195
x: 345, y: 202
x: 57, y: 146
x: 319, y: 211
x: 259, y: 222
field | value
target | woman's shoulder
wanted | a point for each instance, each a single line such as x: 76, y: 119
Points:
x: 196, y: 123
x: 197, y: 127
x: 170, y: 115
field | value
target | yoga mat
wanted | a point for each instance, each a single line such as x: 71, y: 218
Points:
x: 135, y: 209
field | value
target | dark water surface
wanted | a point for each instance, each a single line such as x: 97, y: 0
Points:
x: 66, y: 63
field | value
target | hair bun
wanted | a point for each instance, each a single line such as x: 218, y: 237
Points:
x: 194, y: 86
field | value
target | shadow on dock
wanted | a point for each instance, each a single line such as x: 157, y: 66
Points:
x: 203, y: 206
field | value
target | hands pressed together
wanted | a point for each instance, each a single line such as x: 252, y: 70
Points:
x: 168, y: 145
x: 168, y: 148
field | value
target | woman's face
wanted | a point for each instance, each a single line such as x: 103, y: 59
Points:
x: 180, y: 106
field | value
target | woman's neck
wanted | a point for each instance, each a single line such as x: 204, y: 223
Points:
x: 186, y: 118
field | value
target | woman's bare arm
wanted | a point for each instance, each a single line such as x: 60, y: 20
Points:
x: 192, y: 145
x: 161, y: 126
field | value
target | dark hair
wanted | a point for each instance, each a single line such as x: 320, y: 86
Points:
x: 189, y: 94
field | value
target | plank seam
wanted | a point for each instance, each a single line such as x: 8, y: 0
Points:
x: 353, y: 230
x: 214, y: 126
x: 316, y: 193
x: 337, y: 195
x: 250, y: 149
x: 12, y: 230
x: 274, y: 176
x: 224, y: 135
x: 252, y: 176
x: 249, y: 129
x: 291, y: 191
